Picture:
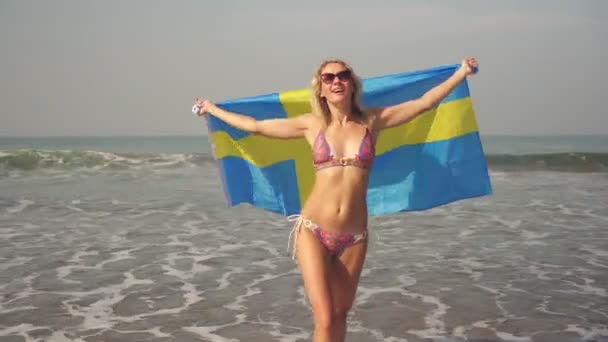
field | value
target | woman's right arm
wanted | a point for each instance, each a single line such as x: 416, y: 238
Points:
x: 283, y: 128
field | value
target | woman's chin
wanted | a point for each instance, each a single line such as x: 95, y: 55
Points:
x: 338, y: 99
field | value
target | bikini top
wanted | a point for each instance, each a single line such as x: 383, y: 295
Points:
x: 323, y: 157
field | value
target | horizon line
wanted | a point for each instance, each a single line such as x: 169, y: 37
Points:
x: 206, y: 135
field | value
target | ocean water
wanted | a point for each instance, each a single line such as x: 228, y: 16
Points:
x: 129, y: 239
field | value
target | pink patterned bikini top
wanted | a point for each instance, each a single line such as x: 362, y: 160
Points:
x: 322, y: 155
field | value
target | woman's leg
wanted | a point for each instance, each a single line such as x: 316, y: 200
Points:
x: 344, y: 273
x: 313, y: 262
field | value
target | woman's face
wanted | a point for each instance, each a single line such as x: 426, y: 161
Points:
x: 336, y: 83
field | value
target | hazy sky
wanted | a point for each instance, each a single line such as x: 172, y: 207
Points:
x: 116, y: 67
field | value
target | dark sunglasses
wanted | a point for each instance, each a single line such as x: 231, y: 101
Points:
x: 344, y: 75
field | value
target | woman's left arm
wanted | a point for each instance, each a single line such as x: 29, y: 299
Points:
x: 396, y: 115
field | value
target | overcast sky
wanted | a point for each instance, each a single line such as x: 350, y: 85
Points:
x: 117, y: 67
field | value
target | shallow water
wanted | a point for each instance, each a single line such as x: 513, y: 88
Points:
x: 137, y: 244
x: 155, y: 255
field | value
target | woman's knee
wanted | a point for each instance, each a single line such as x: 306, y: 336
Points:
x: 326, y: 317
x: 323, y: 316
x: 339, y: 313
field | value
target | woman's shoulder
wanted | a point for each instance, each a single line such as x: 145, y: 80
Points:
x: 372, y: 113
x: 312, y: 120
x: 371, y: 119
x: 311, y: 123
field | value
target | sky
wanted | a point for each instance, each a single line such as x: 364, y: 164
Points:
x: 114, y: 67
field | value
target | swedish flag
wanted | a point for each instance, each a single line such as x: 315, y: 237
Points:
x: 435, y: 159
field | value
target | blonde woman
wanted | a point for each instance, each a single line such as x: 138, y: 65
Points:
x: 330, y: 234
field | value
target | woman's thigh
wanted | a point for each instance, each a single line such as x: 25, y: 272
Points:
x: 344, y: 274
x: 313, y: 263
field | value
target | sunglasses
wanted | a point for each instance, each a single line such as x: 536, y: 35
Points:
x: 344, y: 75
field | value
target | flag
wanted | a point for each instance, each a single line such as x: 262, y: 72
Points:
x: 434, y: 159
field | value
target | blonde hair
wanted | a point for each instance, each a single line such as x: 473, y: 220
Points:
x: 319, y: 105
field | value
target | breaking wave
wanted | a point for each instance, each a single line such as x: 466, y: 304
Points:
x: 31, y: 160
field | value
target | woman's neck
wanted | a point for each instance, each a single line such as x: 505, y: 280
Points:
x: 341, y: 114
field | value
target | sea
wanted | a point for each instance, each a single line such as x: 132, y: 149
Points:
x: 131, y: 239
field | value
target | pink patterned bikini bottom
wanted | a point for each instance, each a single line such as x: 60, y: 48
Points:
x: 334, y: 243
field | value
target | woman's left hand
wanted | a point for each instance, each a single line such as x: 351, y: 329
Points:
x: 469, y: 65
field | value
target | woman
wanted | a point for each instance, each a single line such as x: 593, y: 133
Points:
x: 330, y: 235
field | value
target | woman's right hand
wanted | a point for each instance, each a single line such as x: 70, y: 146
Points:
x: 204, y: 106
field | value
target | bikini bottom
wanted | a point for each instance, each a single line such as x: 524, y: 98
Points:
x: 334, y: 243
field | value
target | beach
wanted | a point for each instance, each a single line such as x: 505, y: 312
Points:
x: 130, y: 239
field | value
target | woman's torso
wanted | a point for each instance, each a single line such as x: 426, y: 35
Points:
x: 337, y: 201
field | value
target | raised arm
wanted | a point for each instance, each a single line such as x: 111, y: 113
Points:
x: 273, y: 128
x: 396, y: 115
